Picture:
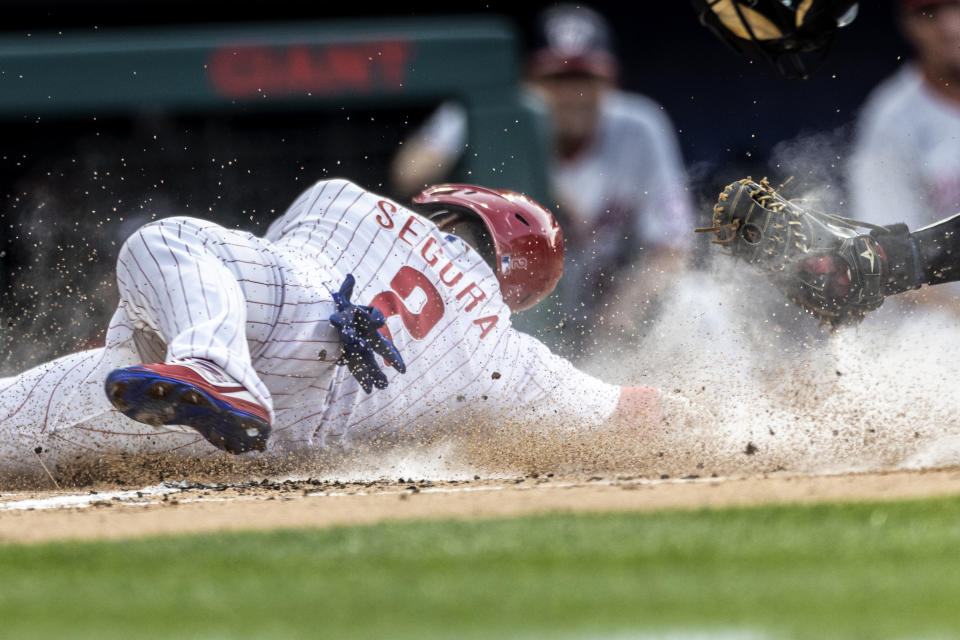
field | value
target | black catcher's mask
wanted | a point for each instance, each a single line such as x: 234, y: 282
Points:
x: 783, y: 32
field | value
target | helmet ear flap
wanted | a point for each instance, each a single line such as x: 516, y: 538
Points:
x: 466, y: 225
x: 440, y: 215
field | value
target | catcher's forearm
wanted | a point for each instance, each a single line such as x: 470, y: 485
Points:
x: 939, y: 249
x: 927, y: 256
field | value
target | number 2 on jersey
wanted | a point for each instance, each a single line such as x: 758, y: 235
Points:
x: 391, y: 303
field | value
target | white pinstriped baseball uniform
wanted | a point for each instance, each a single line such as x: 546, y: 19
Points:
x: 259, y: 308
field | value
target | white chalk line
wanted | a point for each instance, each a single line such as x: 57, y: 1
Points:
x: 85, y: 500
x: 135, y: 497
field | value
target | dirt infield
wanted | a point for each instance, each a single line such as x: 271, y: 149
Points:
x: 175, y: 508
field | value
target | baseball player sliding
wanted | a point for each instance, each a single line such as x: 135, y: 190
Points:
x: 274, y: 344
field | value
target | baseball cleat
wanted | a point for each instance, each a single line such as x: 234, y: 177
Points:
x: 195, y: 393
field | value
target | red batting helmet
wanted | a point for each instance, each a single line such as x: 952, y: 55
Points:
x: 526, y: 237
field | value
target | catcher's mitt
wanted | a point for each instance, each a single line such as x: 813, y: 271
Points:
x: 818, y: 260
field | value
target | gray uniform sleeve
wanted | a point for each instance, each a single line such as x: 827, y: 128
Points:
x: 445, y: 130
x: 672, y: 225
x: 883, y: 186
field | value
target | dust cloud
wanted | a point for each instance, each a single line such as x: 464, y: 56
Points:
x: 750, y: 384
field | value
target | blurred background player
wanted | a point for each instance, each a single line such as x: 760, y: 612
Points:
x: 618, y: 181
x: 906, y: 159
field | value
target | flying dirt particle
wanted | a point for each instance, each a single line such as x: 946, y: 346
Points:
x: 838, y: 373
x: 751, y: 449
x: 664, y: 476
x: 495, y: 375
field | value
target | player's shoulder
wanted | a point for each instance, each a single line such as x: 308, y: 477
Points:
x: 335, y: 185
x: 895, y: 99
x: 334, y: 194
x: 330, y: 196
x: 629, y: 114
x: 633, y: 107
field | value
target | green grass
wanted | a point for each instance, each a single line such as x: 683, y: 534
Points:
x: 872, y: 570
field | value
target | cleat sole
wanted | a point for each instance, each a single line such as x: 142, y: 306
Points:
x: 150, y: 398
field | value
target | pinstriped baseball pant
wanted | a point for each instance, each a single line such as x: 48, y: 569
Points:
x: 188, y: 288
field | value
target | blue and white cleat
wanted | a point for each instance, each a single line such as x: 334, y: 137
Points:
x: 195, y: 393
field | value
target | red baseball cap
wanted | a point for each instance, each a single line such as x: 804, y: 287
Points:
x: 572, y: 39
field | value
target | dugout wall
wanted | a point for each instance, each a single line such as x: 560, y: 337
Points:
x: 230, y: 69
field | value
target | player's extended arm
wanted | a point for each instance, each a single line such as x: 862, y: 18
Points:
x: 553, y: 393
x: 430, y: 154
